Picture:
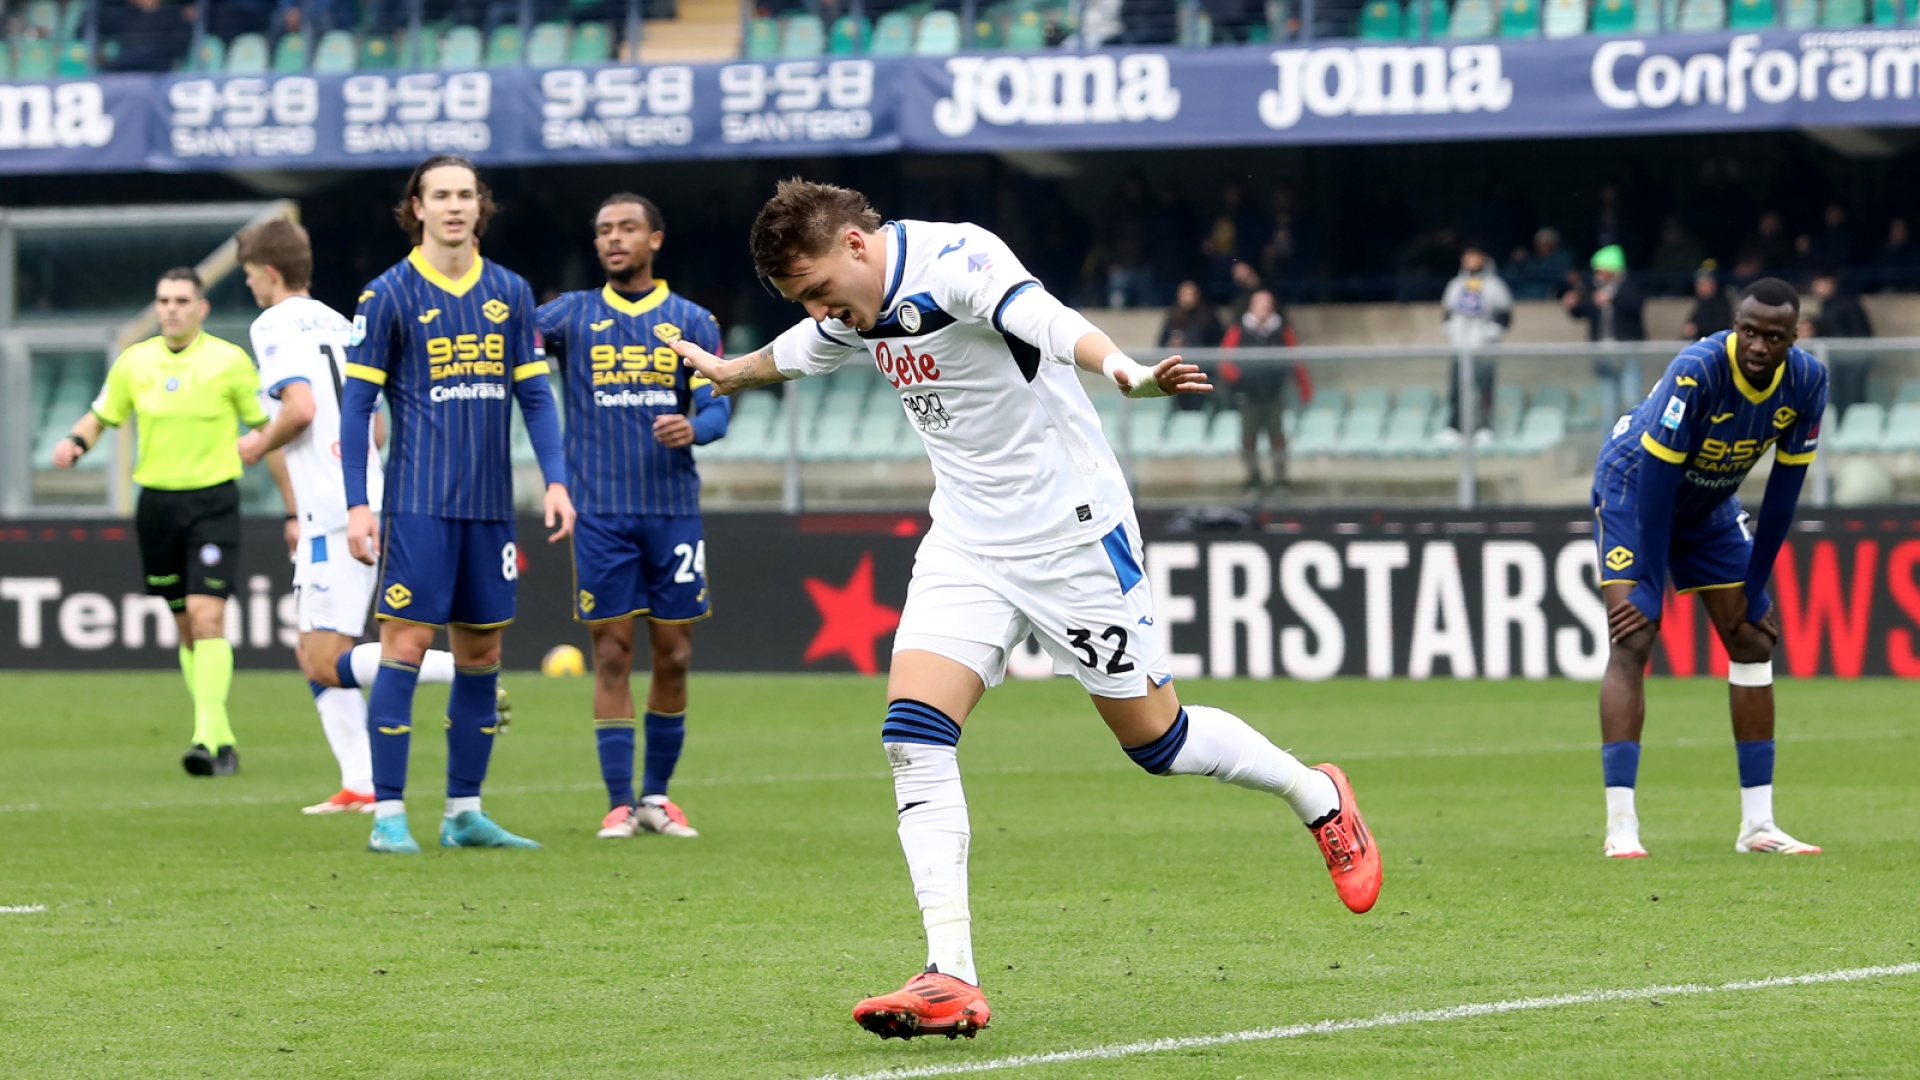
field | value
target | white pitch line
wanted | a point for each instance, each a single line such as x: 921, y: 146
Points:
x: 22, y: 909
x: 1383, y: 1020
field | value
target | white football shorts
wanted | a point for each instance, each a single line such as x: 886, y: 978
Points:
x: 334, y: 590
x: 1090, y: 607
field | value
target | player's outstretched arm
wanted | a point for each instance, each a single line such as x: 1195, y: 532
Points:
x: 732, y: 376
x: 1770, y: 532
x: 1097, y: 353
x: 1028, y: 312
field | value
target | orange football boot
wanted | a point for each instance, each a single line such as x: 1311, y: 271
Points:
x: 930, y: 1004
x: 1352, y: 857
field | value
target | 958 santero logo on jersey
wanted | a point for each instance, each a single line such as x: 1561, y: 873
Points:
x: 634, y: 365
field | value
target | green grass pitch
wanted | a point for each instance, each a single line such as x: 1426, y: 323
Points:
x: 204, y: 928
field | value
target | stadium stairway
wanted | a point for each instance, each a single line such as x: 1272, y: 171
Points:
x: 703, y: 30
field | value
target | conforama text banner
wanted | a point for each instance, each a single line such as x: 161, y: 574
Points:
x: 1334, y: 92
x: 1374, y: 595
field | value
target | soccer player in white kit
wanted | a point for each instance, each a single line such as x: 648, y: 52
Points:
x: 1033, y: 531
x: 300, y: 345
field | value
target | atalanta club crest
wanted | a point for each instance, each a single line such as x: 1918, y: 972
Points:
x: 173, y: 384
x: 909, y: 317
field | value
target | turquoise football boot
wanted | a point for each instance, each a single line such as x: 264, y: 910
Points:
x: 471, y: 828
x: 390, y: 837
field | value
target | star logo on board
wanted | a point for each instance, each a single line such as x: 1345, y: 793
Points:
x: 1619, y: 559
x: 599, y: 326
x: 398, y: 596
x: 1783, y: 416
x: 496, y: 311
x: 851, y: 621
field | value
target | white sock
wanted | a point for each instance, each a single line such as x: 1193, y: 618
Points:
x: 1223, y: 746
x: 1756, y: 804
x: 389, y: 808
x: 435, y: 667
x: 462, y: 804
x: 343, y: 716
x: 934, y: 834
x: 1620, y: 812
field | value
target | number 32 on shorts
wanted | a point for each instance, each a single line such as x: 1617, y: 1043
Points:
x: 1082, y: 642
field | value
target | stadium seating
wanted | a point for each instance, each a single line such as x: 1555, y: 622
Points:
x: 1887, y: 13
x: 210, y: 57
x: 803, y: 37
x: 336, y: 52
x: 1702, y: 16
x: 290, y: 54
x: 1751, y: 15
x: 848, y: 36
x: 1861, y: 427
x: 75, y: 62
x: 376, y: 53
x: 547, y: 45
x: 1843, y: 14
x: 1653, y: 16
x: 1903, y: 427
x: 1472, y: 19
x: 592, y: 44
x: 1519, y: 18
x: 1381, y: 20
x: 1436, y: 14
x: 247, y: 54
x: 1800, y: 14
x: 939, y: 34
x: 505, y: 46
x: 893, y: 34
x: 1564, y: 18
x: 1613, y: 17
x: 763, y: 39
x: 1026, y: 33
x: 461, y: 49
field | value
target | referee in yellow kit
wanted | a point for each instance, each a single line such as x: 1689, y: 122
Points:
x: 191, y: 391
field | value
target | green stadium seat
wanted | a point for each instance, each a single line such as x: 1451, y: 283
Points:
x: 803, y: 36
x: 1377, y: 398
x: 1586, y: 412
x: 1026, y: 33
x: 210, y: 57
x: 1886, y: 12
x: 1564, y: 18
x: 75, y: 61
x: 1702, y: 16
x: 461, y: 49
x: 290, y: 54
x: 1751, y: 15
x: 986, y: 34
x: 376, y: 53
x: 1843, y: 14
x: 1381, y: 20
x: 1519, y: 18
x: 1185, y: 434
x: 6, y: 60
x: 1903, y: 428
x: 763, y: 39
x: 1613, y: 17
x: 1223, y: 438
x: 1472, y: 19
x: 1861, y: 427
x: 1436, y: 14
x: 505, y: 46
x: 547, y: 45
x: 336, y: 53
x: 247, y: 54
x: 1362, y: 431
x: 1319, y: 431
x: 1647, y: 15
x: 1543, y: 428
x: 848, y: 36
x: 43, y: 18
x: 1405, y: 434
x: 592, y: 44
x: 893, y: 35
x: 939, y: 34
x: 1508, y: 404
x: 1800, y: 14
x: 72, y: 19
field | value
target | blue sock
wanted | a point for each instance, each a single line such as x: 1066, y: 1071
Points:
x: 390, y: 727
x: 343, y: 670
x: 1620, y: 763
x: 1157, y: 756
x: 1756, y: 762
x: 915, y: 722
x: 614, y: 739
x: 472, y: 720
x: 666, y: 734
x: 315, y: 688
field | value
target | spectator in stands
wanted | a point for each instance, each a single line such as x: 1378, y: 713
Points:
x: 1260, y: 389
x: 1149, y: 22
x: 1478, y: 308
x: 153, y: 35
x: 1898, y: 264
x: 1769, y: 246
x: 1289, y: 251
x: 1129, y: 274
x: 1238, y: 233
x: 1099, y: 24
x: 1678, y: 253
x: 1610, y: 223
x: 1544, y: 272
x: 1232, y: 19
x: 1842, y: 316
x: 1832, y: 246
x: 1246, y: 282
x: 1191, y: 322
x: 230, y: 17
x: 1612, y: 304
x: 1711, y: 311
x: 1169, y: 234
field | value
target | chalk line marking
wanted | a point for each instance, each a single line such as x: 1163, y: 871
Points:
x: 22, y: 909
x: 1383, y: 1020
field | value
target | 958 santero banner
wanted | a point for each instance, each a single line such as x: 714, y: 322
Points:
x: 1316, y: 92
x: 1375, y: 595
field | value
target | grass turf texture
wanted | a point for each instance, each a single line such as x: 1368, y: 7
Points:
x: 205, y: 928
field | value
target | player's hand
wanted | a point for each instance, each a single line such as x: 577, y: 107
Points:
x: 253, y: 447
x: 708, y: 365
x: 1625, y: 619
x: 1769, y: 624
x: 673, y: 430
x: 65, y: 454
x: 363, y: 534
x: 290, y: 529
x: 1173, y: 376
x: 559, y: 506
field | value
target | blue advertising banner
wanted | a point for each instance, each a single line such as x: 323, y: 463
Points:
x: 1340, y: 92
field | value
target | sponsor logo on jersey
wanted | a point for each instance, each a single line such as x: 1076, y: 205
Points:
x: 1619, y: 559
x: 666, y: 332
x: 366, y: 296
x: 468, y: 392
x: 359, y: 330
x: 951, y: 248
x: 909, y: 316
x: 586, y: 601
x: 1720, y: 418
x: 1784, y: 416
x: 209, y: 555
x: 599, y: 326
x: 977, y: 263
x: 636, y: 399
x: 1676, y: 411
x: 398, y: 596
x: 1686, y: 380
x: 429, y: 315
x: 496, y: 310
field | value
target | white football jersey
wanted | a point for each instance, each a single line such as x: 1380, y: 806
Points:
x: 1019, y: 462
x: 301, y: 339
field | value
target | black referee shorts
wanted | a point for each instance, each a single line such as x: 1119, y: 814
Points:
x: 189, y: 541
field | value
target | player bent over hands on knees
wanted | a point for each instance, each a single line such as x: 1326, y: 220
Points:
x: 1033, y: 531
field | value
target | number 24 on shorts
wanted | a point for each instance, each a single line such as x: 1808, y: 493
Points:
x: 1082, y: 642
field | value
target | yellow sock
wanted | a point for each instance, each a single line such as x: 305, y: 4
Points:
x: 212, y: 678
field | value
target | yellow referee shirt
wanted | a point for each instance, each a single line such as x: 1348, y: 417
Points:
x: 190, y: 405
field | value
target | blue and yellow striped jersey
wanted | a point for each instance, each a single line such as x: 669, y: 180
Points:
x: 450, y: 356
x: 1705, y: 416
x: 615, y: 357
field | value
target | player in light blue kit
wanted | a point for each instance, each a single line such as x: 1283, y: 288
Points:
x: 448, y: 336
x: 1663, y: 495
x: 636, y: 409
